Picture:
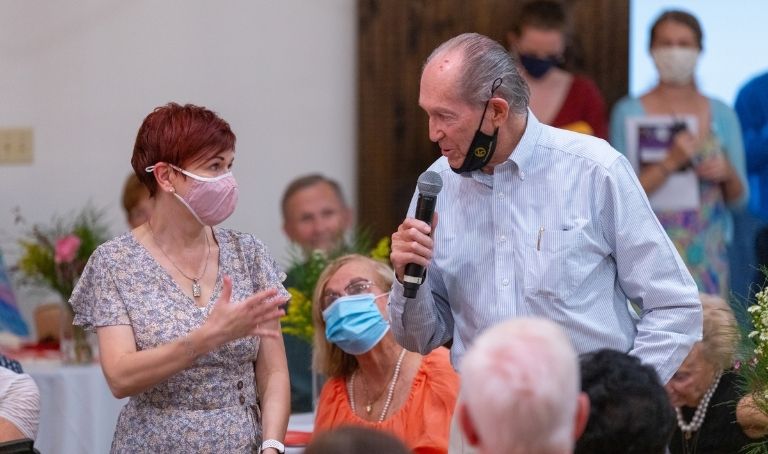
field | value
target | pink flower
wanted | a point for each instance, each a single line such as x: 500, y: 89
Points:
x: 66, y: 249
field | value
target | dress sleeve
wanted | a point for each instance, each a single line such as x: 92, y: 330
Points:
x: 440, y: 389
x: 96, y: 299
x: 623, y: 109
x: 332, y: 410
x: 265, y: 272
x: 729, y: 131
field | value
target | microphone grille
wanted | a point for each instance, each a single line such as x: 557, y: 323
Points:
x: 430, y: 183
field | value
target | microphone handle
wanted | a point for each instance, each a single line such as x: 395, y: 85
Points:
x: 414, y: 273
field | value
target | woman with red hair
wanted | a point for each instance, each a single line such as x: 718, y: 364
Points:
x: 186, y: 312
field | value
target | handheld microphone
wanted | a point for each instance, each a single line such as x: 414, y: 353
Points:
x: 429, y: 184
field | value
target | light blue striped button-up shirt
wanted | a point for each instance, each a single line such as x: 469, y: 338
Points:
x: 561, y: 230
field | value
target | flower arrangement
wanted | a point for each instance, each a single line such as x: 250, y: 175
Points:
x: 56, y: 255
x: 304, y: 273
x: 753, y: 366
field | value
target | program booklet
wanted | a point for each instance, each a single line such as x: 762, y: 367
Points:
x: 648, y: 140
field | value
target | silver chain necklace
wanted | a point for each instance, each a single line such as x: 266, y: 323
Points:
x: 196, y: 289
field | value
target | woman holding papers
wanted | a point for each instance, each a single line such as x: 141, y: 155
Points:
x: 687, y: 150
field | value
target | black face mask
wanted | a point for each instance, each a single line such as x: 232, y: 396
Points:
x: 483, y: 146
x: 537, y: 67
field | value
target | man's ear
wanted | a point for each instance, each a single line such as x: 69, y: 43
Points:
x: 582, y: 415
x: 467, y: 427
x: 499, y: 111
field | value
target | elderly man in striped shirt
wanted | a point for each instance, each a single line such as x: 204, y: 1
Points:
x: 540, y: 222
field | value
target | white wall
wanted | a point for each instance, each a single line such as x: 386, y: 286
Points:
x: 84, y: 74
x: 735, y: 34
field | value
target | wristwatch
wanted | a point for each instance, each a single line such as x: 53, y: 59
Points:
x: 273, y: 444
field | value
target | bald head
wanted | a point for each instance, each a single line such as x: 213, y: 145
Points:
x: 472, y: 62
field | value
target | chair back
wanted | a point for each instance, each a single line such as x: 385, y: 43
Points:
x: 48, y: 321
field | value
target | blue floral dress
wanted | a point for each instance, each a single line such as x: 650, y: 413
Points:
x: 211, y: 406
x: 700, y: 236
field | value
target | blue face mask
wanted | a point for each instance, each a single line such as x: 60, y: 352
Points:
x: 354, y: 323
x: 537, y: 67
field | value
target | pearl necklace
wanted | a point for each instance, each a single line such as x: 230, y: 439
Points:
x: 700, y: 413
x: 390, y: 391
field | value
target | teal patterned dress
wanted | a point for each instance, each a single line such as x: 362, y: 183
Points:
x: 700, y: 236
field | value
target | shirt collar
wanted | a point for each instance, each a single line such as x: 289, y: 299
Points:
x: 523, y: 152
x: 520, y: 156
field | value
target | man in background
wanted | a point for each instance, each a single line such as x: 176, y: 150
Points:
x: 315, y: 214
x: 315, y: 218
x: 520, y: 390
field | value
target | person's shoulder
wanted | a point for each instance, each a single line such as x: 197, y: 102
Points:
x: 583, y: 83
x: 719, y: 107
x: 116, y: 245
x: 231, y: 236
x: 627, y: 105
x: 438, y: 359
x: 574, y: 145
x: 757, y: 85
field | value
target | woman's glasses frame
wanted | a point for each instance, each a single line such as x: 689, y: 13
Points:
x: 356, y: 287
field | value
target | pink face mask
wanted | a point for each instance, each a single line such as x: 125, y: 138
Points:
x: 210, y: 199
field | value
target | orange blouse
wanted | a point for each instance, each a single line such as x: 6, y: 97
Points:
x: 423, y: 422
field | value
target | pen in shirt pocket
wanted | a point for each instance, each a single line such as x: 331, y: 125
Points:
x: 538, y: 241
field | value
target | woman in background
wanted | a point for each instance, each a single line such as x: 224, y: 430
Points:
x: 373, y: 381
x: 715, y: 151
x: 187, y: 313
x: 705, y: 390
x: 558, y: 98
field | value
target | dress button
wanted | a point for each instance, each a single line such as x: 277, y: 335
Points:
x: 501, y: 195
x: 505, y: 282
x: 502, y: 239
x: 240, y: 384
x: 242, y: 399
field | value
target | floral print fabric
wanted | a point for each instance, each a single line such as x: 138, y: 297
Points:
x: 209, y: 407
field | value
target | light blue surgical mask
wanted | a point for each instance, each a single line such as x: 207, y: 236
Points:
x: 354, y: 323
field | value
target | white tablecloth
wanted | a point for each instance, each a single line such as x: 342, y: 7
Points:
x: 78, y: 413
x: 303, y: 422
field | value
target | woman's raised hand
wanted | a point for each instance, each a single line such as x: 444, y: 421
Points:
x: 256, y: 315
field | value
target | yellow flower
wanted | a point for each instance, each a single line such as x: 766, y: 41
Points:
x: 298, y: 318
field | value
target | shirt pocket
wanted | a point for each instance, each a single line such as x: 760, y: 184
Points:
x: 551, y: 271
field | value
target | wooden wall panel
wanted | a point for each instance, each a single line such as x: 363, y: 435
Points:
x: 394, y: 39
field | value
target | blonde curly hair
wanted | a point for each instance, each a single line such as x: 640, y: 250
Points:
x: 720, y: 332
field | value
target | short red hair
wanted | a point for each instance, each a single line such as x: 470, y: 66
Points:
x: 178, y: 135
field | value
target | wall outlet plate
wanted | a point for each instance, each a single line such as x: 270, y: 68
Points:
x: 16, y: 145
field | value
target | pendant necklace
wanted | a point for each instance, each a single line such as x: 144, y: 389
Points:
x: 196, y: 288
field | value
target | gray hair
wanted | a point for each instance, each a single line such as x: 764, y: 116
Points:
x: 520, y: 384
x: 484, y: 61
